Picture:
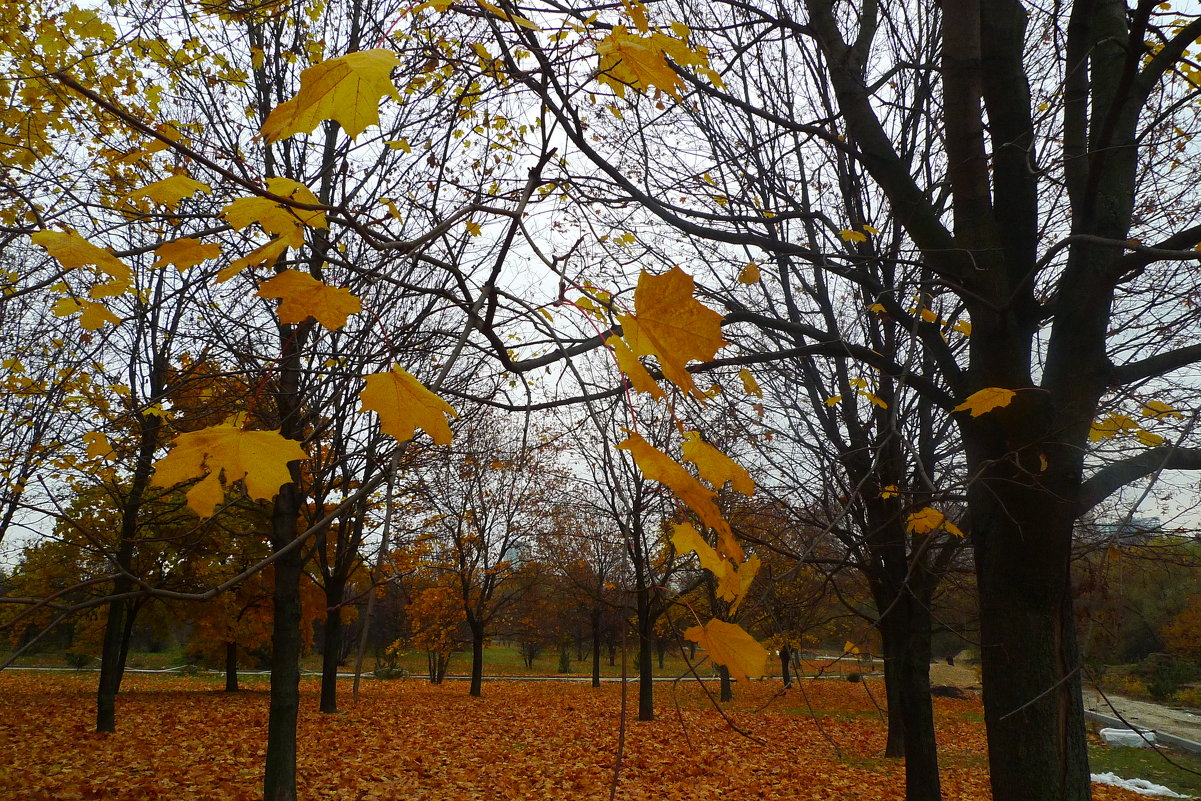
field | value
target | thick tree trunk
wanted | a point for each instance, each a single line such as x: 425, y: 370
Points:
x: 279, y: 778
x: 909, y: 627
x: 894, y: 665
x: 231, y: 667
x: 477, y: 661
x: 331, y: 645
x: 1031, y: 667
x: 786, y: 666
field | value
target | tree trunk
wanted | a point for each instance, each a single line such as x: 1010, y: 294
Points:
x: 331, y: 645
x: 894, y: 665
x: 646, y: 671
x: 1031, y: 669
x: 596, y: 646
x: 477, y: 661
x: 912, y: 676
x: 661, y: 652
x: 110, y: 661
x: 279, y: 777
x: 727, y: 689
x: 231, y: 667
x: 785, y: 666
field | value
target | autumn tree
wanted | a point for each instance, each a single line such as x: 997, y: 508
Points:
x: 487, y: 498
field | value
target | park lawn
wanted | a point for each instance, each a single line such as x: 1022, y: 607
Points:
x: 181, y: 739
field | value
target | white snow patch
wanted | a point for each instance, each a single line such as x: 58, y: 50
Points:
x: 1137, y: 785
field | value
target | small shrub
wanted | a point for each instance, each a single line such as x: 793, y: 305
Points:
x: 853, y: 677
x: 390, y: 672
x: 1187, y: 696
x: 77, y: 659
x: 1164, y: 674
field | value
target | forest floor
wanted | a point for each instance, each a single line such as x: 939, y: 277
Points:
x: 182, y: 739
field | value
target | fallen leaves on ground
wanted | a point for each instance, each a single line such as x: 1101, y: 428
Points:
x: 182, y: 739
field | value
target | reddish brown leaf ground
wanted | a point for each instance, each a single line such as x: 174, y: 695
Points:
x: 180, y: 739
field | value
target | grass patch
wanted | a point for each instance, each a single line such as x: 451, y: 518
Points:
x: 1146, y: 763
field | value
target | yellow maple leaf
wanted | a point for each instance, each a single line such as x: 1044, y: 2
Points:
x: 714, y: 466
x: 671, y: 325
x: 749, y: 385
x: 303, y: 296
x: 73, y: 251
x: 184, y: 253
x: 516, y: 19
x: 986, y: 400
x: 746, y: 575
x: 1148, y: 438
x: 687, y: 539
x: 750, y: 273
x: 98, y: 445
x: 850, y: 648
x: 640, y: 62
x: 1111, y: 425
x: 889, y: 491
x: 728, y: 644
x: 94, y: 316
x: 347, y: 89
x: 658, y: 466
x: 963, y: 327
x: 284, y: 222
x: 222, y: 455
x: 274, y: 217
x: 1154, y: 408
x: 404, y: 405
x: 629, y: 365
x: 851, y: 235
x: 927, y: 520
x: 170, y: 191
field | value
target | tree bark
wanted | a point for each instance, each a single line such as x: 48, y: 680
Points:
x: 596, y: 645
x: 231, y: 667
x: 331, y: 644
x: 110, y: 661
x: 477, y: 661
x: 727, y: 688
x: 279, y: 778
x: 646, y: 670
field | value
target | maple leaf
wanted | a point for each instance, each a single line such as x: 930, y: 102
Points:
x: 94, y: 316
x: 404, y: 405
x: 275, y: 217
x: 1157, y: 409
x: 749, y: 385
x: 347, y: 89
x: 170, y: 191
x: 687, y: 539
x: 714, y: 466
x: 728, y: 644
x: 851, y: 235
x: 750, y: 274
x: 73, y: 251
x: 746, y: 575
x: 640, y: 62
x: 303, y: 296
x: 222, y: 455
x: 986, y: 400
x: 285, y: 223
x: 658, y: 466
x: 98, y: 445
x: 671, y: 325
x: 628, y: 363
x: 184, y: 253
x: 927, y: 520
